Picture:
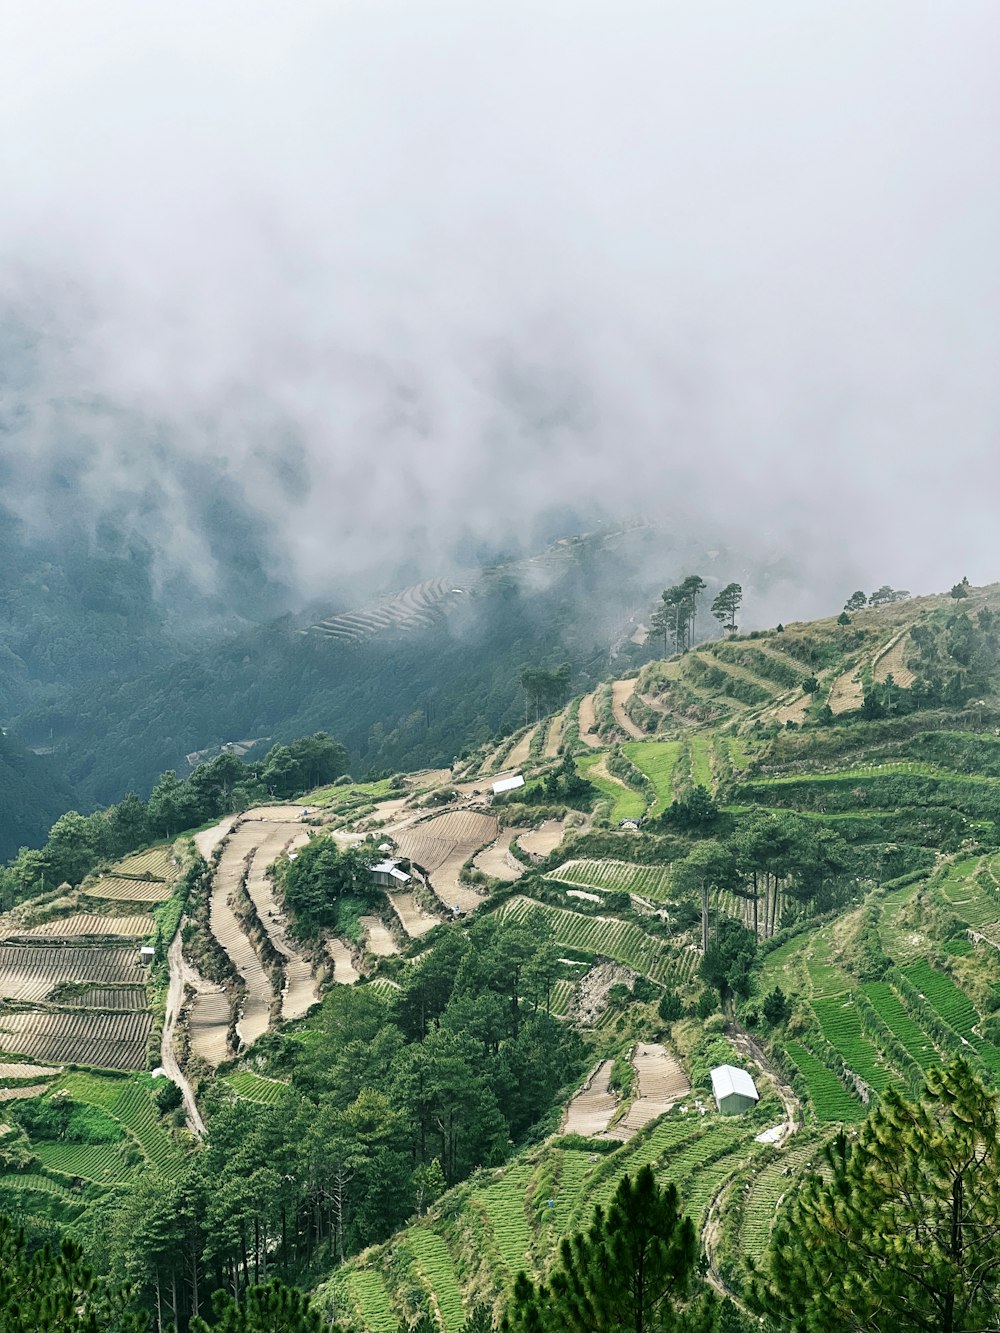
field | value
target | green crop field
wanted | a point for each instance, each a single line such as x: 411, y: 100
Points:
x: 830, y: 1099
x: 434, y: 1263
x: 701, y: 764
x: 368, y: 1291
x: 252, y: 1088
x: 657, y: 759
x: 616, y: 939
x: 901, y: 1023
x: 504, y: 1206
x: 130, y: 1102
x: 767, y: 1190
x: 824, y: 976
x: 841, y: 1026
x: 626, y: 803
x: 104, y: 1164
x: 651, y: 882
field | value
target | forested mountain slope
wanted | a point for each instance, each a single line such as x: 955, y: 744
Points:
x: 32, y: 797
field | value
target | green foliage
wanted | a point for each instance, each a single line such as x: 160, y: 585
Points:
x: 320, y: 884
x: 46, y: 1290
x: 728, y: 960
x: 630, y: 1269
x: 272, y: 1308
x: 900, y: 1231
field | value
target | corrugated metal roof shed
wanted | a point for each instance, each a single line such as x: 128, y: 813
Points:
x: 727, y: 1080
x: 507, y: 784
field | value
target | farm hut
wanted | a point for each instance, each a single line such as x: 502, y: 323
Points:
x: 734, y: 1090
x: 388, y: 875
x: 507, y: 784
x: 146, y: 954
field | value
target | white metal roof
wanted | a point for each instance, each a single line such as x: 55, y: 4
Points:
x: 391, y: 867
x: 727, y: 1079
x: 508, y: 784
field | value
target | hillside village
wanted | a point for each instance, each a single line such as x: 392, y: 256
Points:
x: 755, y: 886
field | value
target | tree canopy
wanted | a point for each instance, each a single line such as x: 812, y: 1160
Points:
x: 901, y: 1234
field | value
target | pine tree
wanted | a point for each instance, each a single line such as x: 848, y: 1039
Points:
x: 628, y: 1272
x: 902, y: 1234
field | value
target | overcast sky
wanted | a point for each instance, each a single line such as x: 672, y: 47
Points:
x: 731, y: 262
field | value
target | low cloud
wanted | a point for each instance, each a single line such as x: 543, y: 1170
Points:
x: 410, y: 277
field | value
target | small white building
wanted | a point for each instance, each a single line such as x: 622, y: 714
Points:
x: 389, y: 876
x: 734, y: 1090
x: 146, y: 954
x: 507, y: 784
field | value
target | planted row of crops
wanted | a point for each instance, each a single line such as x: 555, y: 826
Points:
x: 253, y: 1088
x: 764, y: 1195
x: 606, y: 936
x: 108, y: 1041
x: 657, y: 759
x: 433, y: 1262
x: 840, y: 1024
x: 30, y: 971
x: 503, y: 1203
x: 616, y: 877
x: 830, y: 1099
x: 116, y: 888
x: 901, y: 1023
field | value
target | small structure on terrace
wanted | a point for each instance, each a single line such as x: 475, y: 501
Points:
x: 734, y: 1090
x: 388, y: 875
x: 507, y: 784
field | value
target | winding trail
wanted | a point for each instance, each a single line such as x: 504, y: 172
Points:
x: 175, y: 999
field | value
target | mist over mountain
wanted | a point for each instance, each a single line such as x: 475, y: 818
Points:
x: 312, y: 306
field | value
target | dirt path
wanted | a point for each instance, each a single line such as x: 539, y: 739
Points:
x: 175, y: 999
x: 590, y: 1111
x: 621, y: 692
x: 588, y: 719
x: 554, y: 736
x: 793, y: 1107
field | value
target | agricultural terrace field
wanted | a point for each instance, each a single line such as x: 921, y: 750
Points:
x: 830, y: 1099
x: 458, y: 832
x: 841, y: 1026
x: 153, y: 863
x: 651, y: 882
x: 351, y: 794
x: 31, y: 971
x: 901, y: 1023
x: 657, y: 759
x: 117, y: 889
x: 626, y: 802
x: 105, y: 1041
x: 81, y: 925
x: 767, y: 1190
x: 953, y: 1005
x: 252, y: 1088
x: 515, y: 1220
x: 602, y: 936
x: 961, y: 887
x: 130, y: 1102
